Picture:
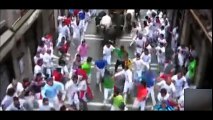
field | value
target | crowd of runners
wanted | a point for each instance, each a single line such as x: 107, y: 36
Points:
x: 63, y: 84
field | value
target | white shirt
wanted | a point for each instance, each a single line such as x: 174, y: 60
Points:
x: 36, y: 59
x: 38, y: 69
x: 162, y: 54
x: 170, y: 88
x: 127, y: 74
x: 146, y: 58
x: 82, y: 86
x: 149, y: 13
x: 180, y: 59
x: 181, y: 102
x: 41, y: 48
x: 71, y: 90
x: 13, y: 108
x: 18, y: 90
x: 106, y: 20
x: 140, y: 42
x: 162, y: 40
x: 162, y: 31
x: 42, y: 56
x: 65, y: 31
x: 160, y: 98
x: 47, y: 60
x: 7, y: 101
x: 107, y: 51
x: 179, y: 84
x: 45, y: 108
x: 139, y: 64
x: 76, y: 30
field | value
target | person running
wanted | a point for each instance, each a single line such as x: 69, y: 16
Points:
x: 146, y: 56
x: 118, y: 100
x: 51, y: 91
x: 142, y: 93
x: 8, y: 98
x: 45, y: 105
x: 160, y: 54
x: 108, y: 84
x: 107, y: 51
x: 87, y: 66
x: 128, y: 81
x: 83, y: 50
x: 121, y: 56
x: 100, y: 66
x: 180, y: 83
x: 168, y: 85
x: 138, y: 66
x: 72, y: 92
x: 17, y: 86
x: 77, y: 32
x: 163, y: 95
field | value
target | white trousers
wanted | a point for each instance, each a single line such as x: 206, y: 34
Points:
x: 74, y: 100
x: 54, y: 101
x: 113, y: 108
x: 107, y: 93
x: 127, y: 86
x: 138, y: 75
x: 151, y: 91
x: 139, y: 50
x: 142, y: 105
x: 89, y: 78
x: 161, y: 60
x: 99, y: 75
x: 107, y: 58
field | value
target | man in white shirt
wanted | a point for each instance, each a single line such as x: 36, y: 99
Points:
x: 175, y: 36
x: 77, y: 32
x: 107, y: 52
x: 168, y: 85
x: 17, y: 86
x: 45, y: 105
x: 38, y: 68
x: 180, y: 83
x: 48, y: 62
x: 146, y: 57
x: 8, y: 98
x: 71, y: 92
x: 163, y: 95
x: 162, y: 39
x: 138, y: 67
x: 140, y: 43
x: 36, y: 57
x: 160, y: 54
x: 65, y: 31
x: 128, y: 85
x: 162, y: 30
x: 106, y: 21
x: 16, y: 105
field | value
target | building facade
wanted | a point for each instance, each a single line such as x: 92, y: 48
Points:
x: 195, y: 29
x: 20, y: 32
